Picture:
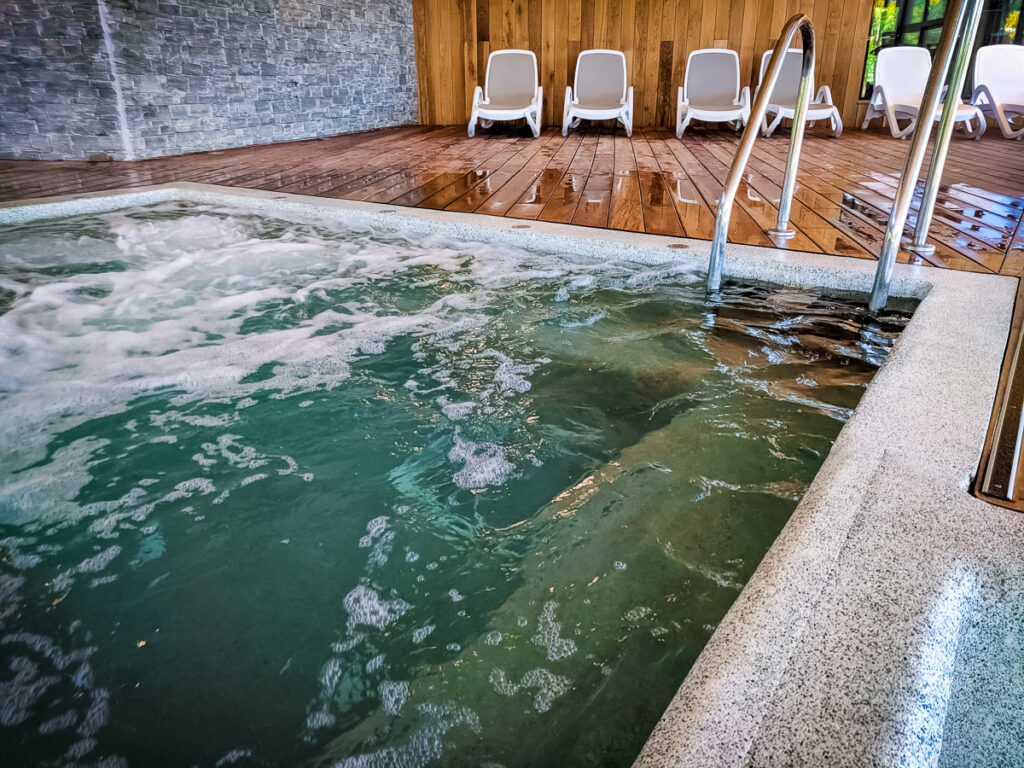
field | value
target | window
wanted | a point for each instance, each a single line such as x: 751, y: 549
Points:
x: 919, y: 22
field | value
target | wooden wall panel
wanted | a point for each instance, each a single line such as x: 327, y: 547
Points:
x: 455, y: 37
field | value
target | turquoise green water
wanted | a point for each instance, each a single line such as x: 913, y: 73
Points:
x: 278, y: 494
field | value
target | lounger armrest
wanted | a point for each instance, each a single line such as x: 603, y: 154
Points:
x: 478, y: 96
x: 744, y: 97
x: 982, y: 90
x: 538, y: 98
x: 629, y: 99
x: 568, y: 95
x: 683, y: 101
x: 824, y: 95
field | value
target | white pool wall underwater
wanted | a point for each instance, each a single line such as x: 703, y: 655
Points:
x: 885, y: 626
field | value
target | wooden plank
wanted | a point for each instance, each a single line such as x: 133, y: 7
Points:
x: 626, y: 204
x: 561, y: 206
x: 595, y: 203
x: 537, y: 193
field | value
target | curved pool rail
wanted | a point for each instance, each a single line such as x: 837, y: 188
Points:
x: 799, y: 22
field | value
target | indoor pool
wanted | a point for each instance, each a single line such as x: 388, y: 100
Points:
x: 279, y: 494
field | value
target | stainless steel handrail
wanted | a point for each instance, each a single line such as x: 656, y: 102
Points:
x: 956, y: 16
x: 732, y: 183
x: 926, y: 208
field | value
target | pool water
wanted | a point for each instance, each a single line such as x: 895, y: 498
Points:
x: 279, y: 493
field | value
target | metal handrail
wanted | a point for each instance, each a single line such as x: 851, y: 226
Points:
x: 961, y: 12
x: 945, y: 132
x: 732, y: 183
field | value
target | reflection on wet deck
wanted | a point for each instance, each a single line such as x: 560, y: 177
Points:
x: 599, y: 178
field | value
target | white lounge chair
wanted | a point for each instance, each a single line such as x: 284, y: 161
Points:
x: 782, y: 103
x: 511, y: 91
x: 600, y: 91
x: 711, y: 90
x: 901, y: 74
x: 999, y: 86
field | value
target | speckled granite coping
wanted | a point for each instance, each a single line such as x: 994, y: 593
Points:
x: 885, y: 627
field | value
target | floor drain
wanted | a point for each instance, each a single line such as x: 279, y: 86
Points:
x: 678, y: 245
x: 520, y: 226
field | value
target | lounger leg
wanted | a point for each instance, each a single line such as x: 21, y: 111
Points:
x: 976, y: 133
x: 682, y: 125
x: 774, y: 124
x: 837, y: 124
x: 868, y: 117
x: 472, y: 124
x: 566, y: 122
x: 894, y: 126
x: 533, y: 120
x: 627, y: 123
x: 1006, y: 125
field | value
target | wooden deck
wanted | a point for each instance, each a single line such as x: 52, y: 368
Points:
x: 599, y: 178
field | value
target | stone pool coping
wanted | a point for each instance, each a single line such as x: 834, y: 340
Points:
x: 879, y: 617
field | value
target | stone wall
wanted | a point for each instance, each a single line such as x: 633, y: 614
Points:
x: 195, y: 75
x: 56, y: 95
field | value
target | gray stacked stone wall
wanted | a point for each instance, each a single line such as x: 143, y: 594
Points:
x: 208, y: 74
x: 56, y: 94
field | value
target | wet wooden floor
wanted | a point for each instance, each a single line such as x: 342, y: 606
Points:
x: 600, y: 178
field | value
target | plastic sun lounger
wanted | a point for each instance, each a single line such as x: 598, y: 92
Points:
x: 711, y: 90
x: 901, y: 75
x: 511, y: 91
x: 600, y: 91
x: 999, y: 86
x: 783, y: 99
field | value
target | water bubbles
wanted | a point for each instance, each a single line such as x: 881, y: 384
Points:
x: 233, y: 757
x: 547, y: 686
x: 393, y: 695
x: 366, y: 607
x: 484, y: 464
x: 419, y: 635
x: 548, y: 634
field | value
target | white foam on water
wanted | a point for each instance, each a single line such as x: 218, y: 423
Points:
x: 90, y: 565
x: 233, y: 757
x: 493, y: 638
x: 86, y: 344
x: 455, y: 411
x: 379, y: 538
x: 424, y: 744
x: 366, y: 607
x: 419, y: 635
x: 510, y: 375
x: 483, y: 464
x: 393, y: 694
x: 548, y: 634
x: 48, y: 492
x: 548, y: 686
